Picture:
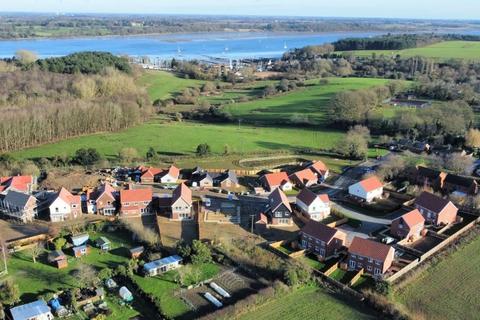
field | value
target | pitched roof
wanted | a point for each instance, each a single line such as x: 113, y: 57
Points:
x: 29, y: 310
x: 19, y: 183
x: 431, y: 202
x: 413, y: 218
x: 56, y: 255
x: 66, y: 196
x: 277, y: 198
x: 308, y: 197
x: 182, y: 192
x: 276, y: 179
x: 151, y: 172
x: 459, y: 180
x: 228, y: 175
x: 319, y: 167
x: 371, y: 184
x: 173, y: 171
x: 17, y: 199
x: 428, y: 173
x: 319, y: 231
x: 304, y: 175
x: 106, y: 189
x: 162, y: 262
x: 133, y: 195
x: 369, y: 248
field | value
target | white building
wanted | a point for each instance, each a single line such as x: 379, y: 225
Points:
x: 367, y: 189
x: 316, y: 207
x: 37, y: 310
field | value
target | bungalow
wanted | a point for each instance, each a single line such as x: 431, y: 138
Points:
x: 37, y: 310
x: 279, y: 209
x: 170, y: 175
x: 367, y: 189
x: 182, y: 203
x: 136, y: 252
x: 136, y: 202
x: 64, y: 206
x: 228, y: 179
x: 409, y: 226
x: 320, y: 169
x: 104, y: 200
x: 373, y: 257
x: 304, y: 178
x: 429, y: 178
x: 58, y: 259
x: 321, y: 240
x: 18, y: 205
x: 149, y: 174
x: 24, y: 184
x: 103, y: 243
x: 316, y: 207
x: 459, y: 184
x: 435, y: 209
x: 163, y: 265
x: 272, y: 181
x: 201, y: 179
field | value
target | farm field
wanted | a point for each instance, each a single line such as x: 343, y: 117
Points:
x: 165, y: 85
x: 447, y: 290
x: 309, y: 103
x: 469, y: 50
x: 307, y: 303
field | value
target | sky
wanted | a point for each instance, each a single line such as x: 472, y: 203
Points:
x: 422, y: 9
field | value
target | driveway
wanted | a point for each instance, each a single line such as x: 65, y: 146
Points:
x: 349, y: 213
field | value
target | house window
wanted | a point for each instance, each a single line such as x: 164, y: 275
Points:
x: 370, y: 260
x: 74, y: 205
x: 322, y: 252
x: 369, y: 268
x: 146, y: 203
x: 377, y: 263
x: 304, y: 243
x: 377, y: 271
x: 126, y: 204
x: 352, y: 264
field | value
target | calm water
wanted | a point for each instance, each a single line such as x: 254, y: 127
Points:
x: 186, y: 46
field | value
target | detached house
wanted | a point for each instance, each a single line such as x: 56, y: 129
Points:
x: 18, y: 205
x: 373, y: 257
x: 64, y: 206
x: 279, y: 209
x: 170, y: 175
x: 201, y: 179
x: 136, y: 202
x: 228, y: 179
x: 322, y: 240
x: 272, y: 181
x: 320, y: 169
x: 104, y: 200
x: 182, y: 203
x: 367, y: 189
x: 409, y: 226
x: 316, y: 207
x: 304, y: 178
x: 25, y: 184
x: 435, y: 209
x: 149, y: 174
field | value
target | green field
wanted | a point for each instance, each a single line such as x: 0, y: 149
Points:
x: 469, y: 50
x: 448, y: 290
x: 307, y: 303
x: 165, y: 85
x: 310, y: 102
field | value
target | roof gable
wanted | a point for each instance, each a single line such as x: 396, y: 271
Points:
x: 304, y: 175
x: 319, y: 167
x: 308, y: 197
x: 182, y: 192
x: 276, y: 179
x: 432, y: 202
x: 371, y: 184
x: 278, y: 198
x: 413, y: 218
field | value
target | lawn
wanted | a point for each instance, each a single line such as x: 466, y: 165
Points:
x: 449, y: 289
x: 182, y: 139
x: 311, y: 102
x: 165, y: 286
x: 312, y: 262
x: 164, y: 85
x: 469, y: 50
x: 39, y: 278
x: 307, y: 303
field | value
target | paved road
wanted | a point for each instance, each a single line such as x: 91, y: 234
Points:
x: 359, y: 216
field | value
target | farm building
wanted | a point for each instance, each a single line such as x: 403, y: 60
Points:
x: 367, y: 190
x: 37, y: 310
x: 163, y: 265
x: 58, y: 259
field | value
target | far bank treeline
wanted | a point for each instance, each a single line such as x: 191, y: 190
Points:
x: 44, y: 101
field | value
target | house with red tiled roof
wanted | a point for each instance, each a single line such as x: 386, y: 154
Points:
x: 322, y: 240
x: 25, y: 184
x: 64, y: 206
x: 320, y: 169
x: 271, y: 181
x: 373, y: 257
x: 304, y: 178
x: 409, y: 226
x: 182, y: 203
x: 367, y: 189
x: 279, y: 209
x: 314, y: 206
x: 149, y: 174
x: 104, y: 200
x: 435, y: 209
x: 169, y: 175
x: 135, y: 202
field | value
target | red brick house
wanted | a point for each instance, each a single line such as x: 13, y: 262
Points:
x: 104, y: 200
x: 149, y: 174
x: 320, y: 169
x: 279, y: 209
x: 136, y: 202
x: 304, y: 178
x: 435, y: 209
x: 272, y: 181
x: 321, y: 240
x: 182, y: 206
x: 409, y: 226
x: 373, y: 257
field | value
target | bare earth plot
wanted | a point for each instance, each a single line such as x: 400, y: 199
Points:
x: 448, y: 290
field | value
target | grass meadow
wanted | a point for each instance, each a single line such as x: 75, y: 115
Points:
x: 447, y: 290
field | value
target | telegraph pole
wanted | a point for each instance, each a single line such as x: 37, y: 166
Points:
x: 4, y: 258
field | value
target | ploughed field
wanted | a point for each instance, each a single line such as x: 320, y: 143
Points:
x: 447, y: 290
